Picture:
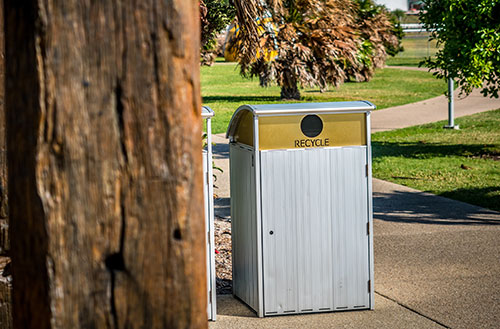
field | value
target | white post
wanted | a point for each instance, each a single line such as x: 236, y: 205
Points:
x: 451, y: 122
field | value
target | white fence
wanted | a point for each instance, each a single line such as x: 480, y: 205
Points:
x: 415, y: 28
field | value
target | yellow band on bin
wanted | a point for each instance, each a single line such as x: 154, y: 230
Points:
x: 284, y: 132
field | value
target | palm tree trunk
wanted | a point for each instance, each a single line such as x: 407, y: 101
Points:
x: 291, y: 92
x: 289, y: 87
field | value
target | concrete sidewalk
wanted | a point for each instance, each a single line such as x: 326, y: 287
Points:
x: 437, y: 261
x: 436, y: 256
x: 387, y: 314
x: 431, y: 110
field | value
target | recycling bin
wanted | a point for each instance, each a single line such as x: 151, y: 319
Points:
x: 208, y: 192
x: 301, y: 207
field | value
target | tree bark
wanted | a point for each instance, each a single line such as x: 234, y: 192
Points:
x: 5, y: 298
x: 290, y: 92
x: 4, y: 211
x: 104, y: 155
x: 289, y: 88
x: 5, y: 285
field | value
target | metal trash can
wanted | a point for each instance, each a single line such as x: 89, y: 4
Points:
x: 208, y: 192
x: 301, y: 207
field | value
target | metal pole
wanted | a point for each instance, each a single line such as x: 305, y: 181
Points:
x: 451, y: 122
x: 450, y: 103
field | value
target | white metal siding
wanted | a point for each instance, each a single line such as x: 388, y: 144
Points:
x: 243, y: 225
x: 208, y: 194
x: 370, y: 210
x: 207, y: 229
x: 316, y: 203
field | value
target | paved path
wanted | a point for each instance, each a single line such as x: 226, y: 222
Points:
x: 431, y: 110
x: 436, y: 256
x: 387, y: 314
x: 437, y: 261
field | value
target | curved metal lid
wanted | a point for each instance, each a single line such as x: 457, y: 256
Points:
x: 297, y: 108
x: 206, y: 112
x: 302, y: 108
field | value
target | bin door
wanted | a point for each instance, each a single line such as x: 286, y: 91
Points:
x: 314, y: 220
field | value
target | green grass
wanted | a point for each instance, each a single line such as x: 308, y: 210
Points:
x: 410, y: 19
x: 459, y: 164
x: 416, y: 48
x: 224, y: 90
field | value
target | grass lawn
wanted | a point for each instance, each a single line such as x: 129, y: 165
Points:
x: 410, y: 19
x: 459, y: 164
x: 416, y: 48
x: 224, y: 90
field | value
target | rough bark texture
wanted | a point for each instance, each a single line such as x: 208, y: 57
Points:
x: 5, y: 285
x: 104, y: 154
x: 5, y: 294
x: 290, y: 92
x: 4, y: 211
x: 5, y: 305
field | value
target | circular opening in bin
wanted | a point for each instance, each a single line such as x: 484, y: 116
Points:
x: 311, y: 125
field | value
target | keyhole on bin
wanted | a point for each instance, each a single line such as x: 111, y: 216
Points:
x: 271, y: 232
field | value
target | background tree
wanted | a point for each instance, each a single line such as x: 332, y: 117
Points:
x: 399, y: 15
x: 318, y: 43
x: 381, y: 27
x: 468, y: 36
x: 105, y: 168
x: 215, y: 17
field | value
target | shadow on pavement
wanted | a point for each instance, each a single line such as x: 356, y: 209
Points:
x: 424, y: 208
x: 222, y: 208
x: 220, y: 151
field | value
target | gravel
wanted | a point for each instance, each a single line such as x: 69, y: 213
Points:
x: 223, y: 261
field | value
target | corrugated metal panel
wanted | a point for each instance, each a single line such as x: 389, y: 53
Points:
x: 351, y: 241
x: 207, y: 228
x: 370, y: 212
x: 208, y: 184
x: 243, y: 225
x: 208, y: 195
x: 258, y: 217
x: 314, y: 219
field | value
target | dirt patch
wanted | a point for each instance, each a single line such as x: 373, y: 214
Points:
x: 494, y: 157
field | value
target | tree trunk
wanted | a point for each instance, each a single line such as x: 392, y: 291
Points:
x: 104, y: 154
x: 290, y: 92
x: 4, y: 211
x: 5, y: 285
x: 289, y: 88
x: 5, y: 299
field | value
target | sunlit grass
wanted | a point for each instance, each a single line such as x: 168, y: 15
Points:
x: 459, y: 164
x: 224, y: 90
x: 416, y: 49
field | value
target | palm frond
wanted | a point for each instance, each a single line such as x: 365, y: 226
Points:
x: 318, y: 42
